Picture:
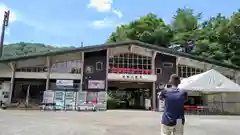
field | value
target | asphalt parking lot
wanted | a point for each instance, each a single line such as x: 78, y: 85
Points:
x: 119, y: 122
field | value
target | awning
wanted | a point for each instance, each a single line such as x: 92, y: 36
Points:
x: 209, y: 81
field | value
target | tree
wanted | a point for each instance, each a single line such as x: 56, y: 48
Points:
x: 214, y: 30
x: 185, y: 26
x: 234, y: 34
x: 149, y: 29
x: 216, y: 38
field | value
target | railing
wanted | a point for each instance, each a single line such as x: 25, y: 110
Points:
x: 215, y: 108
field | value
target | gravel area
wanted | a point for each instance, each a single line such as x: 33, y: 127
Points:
x: 119, y: 122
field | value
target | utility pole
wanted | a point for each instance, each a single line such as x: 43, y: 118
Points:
x: 81, y: 44
x: 4, y: 25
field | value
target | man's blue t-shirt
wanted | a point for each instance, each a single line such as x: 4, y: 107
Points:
x: 174, y: 99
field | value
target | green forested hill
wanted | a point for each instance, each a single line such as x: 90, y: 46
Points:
x: 22, y: 48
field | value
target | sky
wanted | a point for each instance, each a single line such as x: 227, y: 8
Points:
x: 70, y: 22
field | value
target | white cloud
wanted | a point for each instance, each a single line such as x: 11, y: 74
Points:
x: 105, y: 23
x: 118, y: 13
x: 101, y: 5
x: 104, y: 6
x: 4, y: 8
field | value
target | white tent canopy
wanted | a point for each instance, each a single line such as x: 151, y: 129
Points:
x: 209, y: 81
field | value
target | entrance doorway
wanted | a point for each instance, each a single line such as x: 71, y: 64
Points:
x: 128, y: 95
x: 28, y: 92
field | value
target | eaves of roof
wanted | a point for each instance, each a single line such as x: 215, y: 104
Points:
x: 119, y: 44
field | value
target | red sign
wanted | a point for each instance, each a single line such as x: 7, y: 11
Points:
x: 131, y: 70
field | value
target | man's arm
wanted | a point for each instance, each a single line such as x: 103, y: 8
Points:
x: 162, y: 95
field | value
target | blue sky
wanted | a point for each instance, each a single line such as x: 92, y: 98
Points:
x: 70, y: 22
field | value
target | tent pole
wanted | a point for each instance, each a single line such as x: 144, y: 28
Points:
x: 222, y: 103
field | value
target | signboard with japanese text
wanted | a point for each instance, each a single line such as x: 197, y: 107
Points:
x: 64, y: 82
x: 96, y: 84
x: 131, y: 70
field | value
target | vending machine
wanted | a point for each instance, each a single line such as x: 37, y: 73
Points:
x: 70, y: 100
x: 59, y: 100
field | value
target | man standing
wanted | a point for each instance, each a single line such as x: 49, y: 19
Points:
x: 173, y: 116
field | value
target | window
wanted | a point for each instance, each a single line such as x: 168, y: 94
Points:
x: 45, y: 69
x: 99, y: 66
x: 70, y: 66
x: 29, y: 69
x: 158, y: 70
x: 76, y: 70
x: 186, y: 71
x: 129, y: 63
x: 5, y: 94
x: 33, y: 69
x: 167, y: 65
x: 89, y: 69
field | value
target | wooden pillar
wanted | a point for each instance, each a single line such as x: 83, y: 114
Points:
x: 82, y: 71
x: 49, y: 65
x: 235, y: 76
x: 107, y: 68
x: 177, y: 63
x: 106, y: 82
x: 154, y: 106
x: 130, y: 48
x: 13, y: 67
x: 205, y: 68
x: 79, y: 93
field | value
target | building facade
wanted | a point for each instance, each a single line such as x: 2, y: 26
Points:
x: 96, y: 69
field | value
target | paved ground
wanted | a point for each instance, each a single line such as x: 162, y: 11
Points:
x: 107, y: 123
